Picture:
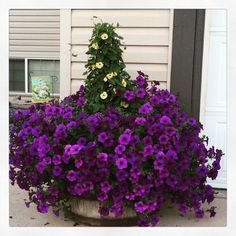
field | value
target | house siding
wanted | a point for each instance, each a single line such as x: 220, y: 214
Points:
x: 147, y: 35
x: 34, y: 33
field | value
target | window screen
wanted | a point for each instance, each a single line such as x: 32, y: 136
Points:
x: 45, y: 68
x: 17, y: 75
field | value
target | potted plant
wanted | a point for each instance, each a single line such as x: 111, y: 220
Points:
x: 122, y: 147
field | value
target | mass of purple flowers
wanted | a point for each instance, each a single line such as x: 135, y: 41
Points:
x: 139, y: 159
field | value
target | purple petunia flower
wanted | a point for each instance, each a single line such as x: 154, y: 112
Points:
x: 129, y: 95
x: 101, y: 196
x: 121, y: 163
x: 140, y: 207
x: 140, y: 80
x: 119, y: 149
x: 171, y: 155
x: 56, y: 159
x: 159, y: 164
x: 102, y: 137
x: 42, y: 208
x: 165, y: 120
x: 40, y: 166
x: 163, y: 139
x: 71, y: 175
x: 140, y: 120
x: 105, y: 186
x: 192, y: 121
x: 124, y: 139
x: 148, y: 150
x: 145, y: 108
x: 140, y: 92
x: 102, y: 156
x: 202, y: 170
x: 103, y: 211
x: 78, y: 163
x: 57, y: 170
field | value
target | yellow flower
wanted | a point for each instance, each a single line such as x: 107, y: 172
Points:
x: 115, y: 74
x: 103, y: 95
x: 95, y: 46
x: 124, y: 83
x: 114, y: 90
x: 124, y: 104
x: 104, y: 36
x: 93, y: 67
x: 99, y: 65
x: 110, y: 75
x: 105, y: 79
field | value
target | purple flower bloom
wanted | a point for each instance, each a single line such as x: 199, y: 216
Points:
x: 78, y: 163
x: 140, y: 207
x: 171, y: 155
x: 121, y: 163
x: 192, y: 121
x: 140, y: 93
x: 42, y: 208
x: 163, y: 139
x: 140, y: 80
x: 75, y: 149
x: 102, y: 137
x: 56, y: 159
x: 202, y: 170
x: 124, y: 139
x: 103, y: 211
x: 57, y: 170
x: 40, y: 166
x: 71, y: 175
x: 145, y: 108
x: 129, y: 95
x: 140, y: 120
x: 165, y: 120
x: 119, y: 149
x: 102, y: 156
x: 148, y: 150
x: 102, y: 196
x: 159, y: 164
x: 105, y: 186
x: 199, y: 213
x: 171, y: 180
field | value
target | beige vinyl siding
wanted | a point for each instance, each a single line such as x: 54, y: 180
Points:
x: 147, y: 35
x: 34, y: 33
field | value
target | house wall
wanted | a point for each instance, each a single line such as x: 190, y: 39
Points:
x: 34, y: 33
x: 147, y: 35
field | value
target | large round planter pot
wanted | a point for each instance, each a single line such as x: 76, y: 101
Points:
x: 86, y: 211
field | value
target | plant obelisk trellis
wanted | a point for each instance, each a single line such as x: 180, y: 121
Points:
x: 106, y: 75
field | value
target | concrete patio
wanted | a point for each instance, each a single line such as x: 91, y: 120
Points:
x: 20, y: 216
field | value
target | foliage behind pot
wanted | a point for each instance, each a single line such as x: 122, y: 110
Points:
x: 137, y: 150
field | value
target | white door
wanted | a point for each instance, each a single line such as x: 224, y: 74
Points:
x: 213, y: 101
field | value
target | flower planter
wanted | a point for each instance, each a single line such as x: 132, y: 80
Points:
x: 86, y: 211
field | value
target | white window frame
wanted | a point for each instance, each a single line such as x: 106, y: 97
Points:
x: 26, y: 92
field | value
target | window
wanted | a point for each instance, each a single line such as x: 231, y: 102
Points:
x: 21, y: 71
x: 17, y: 75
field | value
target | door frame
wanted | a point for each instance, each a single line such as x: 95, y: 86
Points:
x: 187, y: 54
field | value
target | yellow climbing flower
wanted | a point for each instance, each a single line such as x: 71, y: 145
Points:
x: 93, y: 67
x: 110, y: 75
x: 124, y: 83
x: 105, y: 79
x: 103, y: 95
x: 114, y: 74
x: 114, y: 90
x: 94, y: 45
x: 124, y: 104
x: 104, y: 36
x: 99, y: 65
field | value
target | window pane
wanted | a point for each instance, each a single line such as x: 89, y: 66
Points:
x: 45, y: 68
x: 17, y: 75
